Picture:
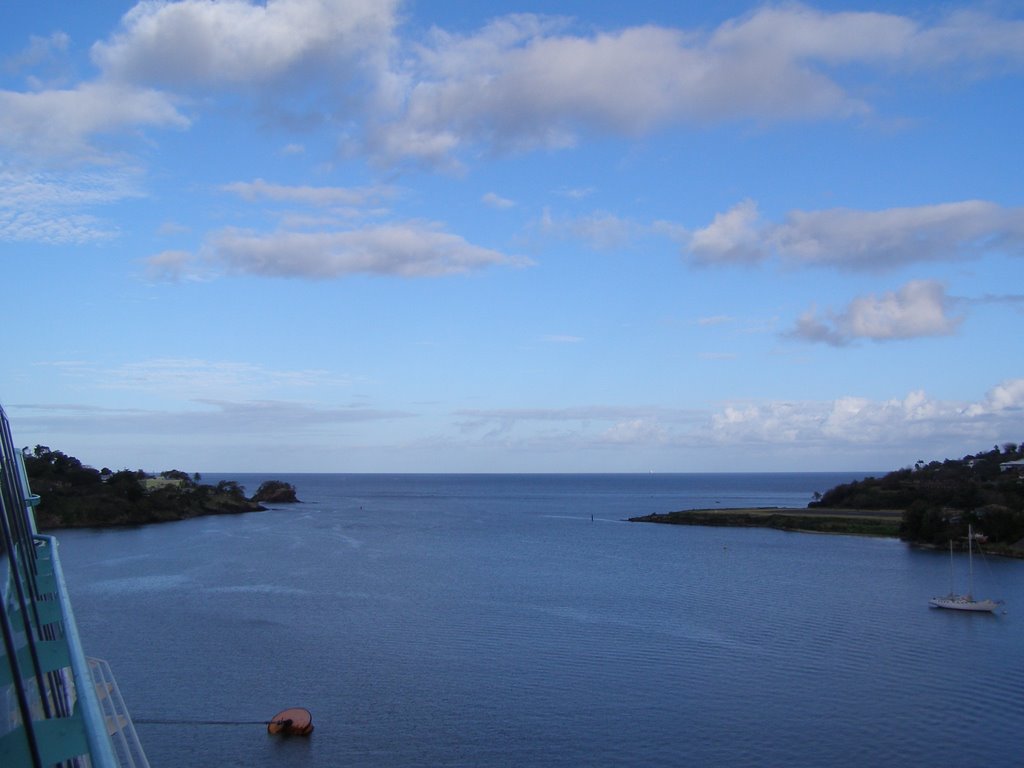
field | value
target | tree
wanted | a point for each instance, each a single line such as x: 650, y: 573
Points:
x: 232, y: 489
x: 127, y: 485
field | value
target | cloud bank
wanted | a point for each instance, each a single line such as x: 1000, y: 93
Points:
x: 433, y: 100
x: 804, y: 425
x: 778, y: 63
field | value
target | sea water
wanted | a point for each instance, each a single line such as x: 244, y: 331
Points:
x: 511, y: 620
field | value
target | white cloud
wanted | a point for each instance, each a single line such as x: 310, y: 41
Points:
x: 733, y: 237
x: 809, y: 327
x: 1015, y: 300
x: 919, y: 308
x: 845, y: 432
x: 61, y: 124
x: 39, y: 50
x: 46, y: 207
x: 163, y: 53
x: 802, y: 33
x: 601, y: 230
x: 313, y: 247
x: 915, y: 419
x: 633, y: 431
x: 971, y: 39
x: 861, y: 240
x: 269, y: 421
x: 52, y: 228
x: 883, y: 239
x: 770, y: 422
x: 844, y: 426
x: 258, y: 189
x: 1007, y: 397
x: 169, y: 265
x: 777, y: 63
x: 410, y: 249
x: 430, y: 101
x: 169, y: 228
x: 575, y: 193
x: 497, y: 201
x: 580, y: 425
x: 195, y: 43
x: 52, y: 190
x: 484, y: 88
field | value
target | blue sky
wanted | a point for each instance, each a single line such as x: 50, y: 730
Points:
x: 372, y: 236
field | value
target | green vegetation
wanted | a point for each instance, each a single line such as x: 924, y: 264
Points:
x: 928, y: 505
x: 939, y: 500
x: 73, y: 495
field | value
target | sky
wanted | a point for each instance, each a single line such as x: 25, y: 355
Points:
x: 522, y: 236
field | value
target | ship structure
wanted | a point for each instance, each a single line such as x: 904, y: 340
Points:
x: 57, y: 705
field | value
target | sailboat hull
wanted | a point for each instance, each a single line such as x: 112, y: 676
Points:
x: 963, y: 603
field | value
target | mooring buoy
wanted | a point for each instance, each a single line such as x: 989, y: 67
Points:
x: 291, y: 722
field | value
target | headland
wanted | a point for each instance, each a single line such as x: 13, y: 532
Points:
x: 859, y: 522
x: 73, y: 495
x: 931, y: 505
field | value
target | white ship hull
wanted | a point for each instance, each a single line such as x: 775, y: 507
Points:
x: 963, y: 603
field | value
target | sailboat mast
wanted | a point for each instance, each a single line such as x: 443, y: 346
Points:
x: 952, y: 583
x: 970, y: 561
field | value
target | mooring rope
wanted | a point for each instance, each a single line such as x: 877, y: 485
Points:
x: 168, y: 721
x: 290, y: 722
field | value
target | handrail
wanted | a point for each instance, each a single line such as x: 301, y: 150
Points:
x: 100, y: 749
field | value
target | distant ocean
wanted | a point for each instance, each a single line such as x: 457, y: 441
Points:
x: 517, y: 620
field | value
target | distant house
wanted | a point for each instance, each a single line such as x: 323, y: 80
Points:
x: 1013, y: 466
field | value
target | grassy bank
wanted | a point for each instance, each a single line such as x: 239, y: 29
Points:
x: 839, y: 521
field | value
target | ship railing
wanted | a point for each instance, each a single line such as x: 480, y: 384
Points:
x: 56, y: 706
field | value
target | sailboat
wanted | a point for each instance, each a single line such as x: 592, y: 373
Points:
x: 955, y: 602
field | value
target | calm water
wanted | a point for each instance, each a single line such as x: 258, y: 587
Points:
x: 489, y: 621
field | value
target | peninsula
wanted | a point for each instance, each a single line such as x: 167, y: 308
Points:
x: 73, y: 495
x: 929, y: 505
x: 846, y: 521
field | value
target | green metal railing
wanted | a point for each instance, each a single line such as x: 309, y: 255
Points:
x: 56, y: 706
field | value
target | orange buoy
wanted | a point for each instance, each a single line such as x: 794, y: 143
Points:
x: 291, y: 722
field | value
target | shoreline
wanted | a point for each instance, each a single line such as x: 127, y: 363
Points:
x: 849, y: 522
x: 876, y: 523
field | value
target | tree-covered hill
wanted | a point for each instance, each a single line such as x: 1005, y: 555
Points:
x: 73, y: 495
x: 940, y: 499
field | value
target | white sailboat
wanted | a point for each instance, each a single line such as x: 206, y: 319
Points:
x: 955, y: 602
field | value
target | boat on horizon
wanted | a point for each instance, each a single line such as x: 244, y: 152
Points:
x: 965, y: 602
